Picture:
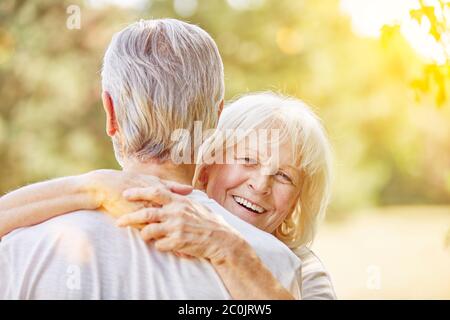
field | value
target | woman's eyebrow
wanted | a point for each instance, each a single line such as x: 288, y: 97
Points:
x: 295, y: 170
x: 291, y: 167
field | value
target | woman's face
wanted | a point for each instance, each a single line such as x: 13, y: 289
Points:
x: 258, y: 189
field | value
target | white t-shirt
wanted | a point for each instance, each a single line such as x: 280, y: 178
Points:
x: 313, y: 278
x: 83, y: 255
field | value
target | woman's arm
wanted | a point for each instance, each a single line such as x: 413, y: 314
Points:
x: 38, y: 202
x: 186, y: 228
x: 99, y: 189
x: 237, y: 269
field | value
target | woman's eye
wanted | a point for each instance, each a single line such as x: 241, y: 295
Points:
x: 248, y: 161
x: 284, y: 177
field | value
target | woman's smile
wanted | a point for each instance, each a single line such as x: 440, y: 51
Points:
x: 249, y: 205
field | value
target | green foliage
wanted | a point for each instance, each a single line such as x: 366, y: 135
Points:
x: 389, y: 147
x: 434, y: 79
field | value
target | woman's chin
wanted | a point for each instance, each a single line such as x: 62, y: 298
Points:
x: 239, y: 211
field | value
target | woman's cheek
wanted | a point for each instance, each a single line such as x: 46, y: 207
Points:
x: 285, y: 197
x: 223, y: 178
x: 232, y: 176
x: 238, y: 173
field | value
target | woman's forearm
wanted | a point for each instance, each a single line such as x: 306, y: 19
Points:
x: 191, y: 229
x: 38, y: 202
x: 246, y: 277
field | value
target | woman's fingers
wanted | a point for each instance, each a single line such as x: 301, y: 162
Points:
x: 182, y: 189
x: 158, y: 195
x: 183, y: 255
x: 166, y: 244
x: 176, y: 187
x: 148, y: 215
x: 154, y: 231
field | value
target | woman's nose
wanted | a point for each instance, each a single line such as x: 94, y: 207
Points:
x: 260, y: 184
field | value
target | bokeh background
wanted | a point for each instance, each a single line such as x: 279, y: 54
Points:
x: 376, y: 72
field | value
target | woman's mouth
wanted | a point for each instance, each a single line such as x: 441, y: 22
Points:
x: 247, y: 204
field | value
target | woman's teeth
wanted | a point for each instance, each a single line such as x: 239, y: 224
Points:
x: 249, y: 205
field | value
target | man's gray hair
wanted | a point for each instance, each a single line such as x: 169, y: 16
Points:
x: 162, y: 75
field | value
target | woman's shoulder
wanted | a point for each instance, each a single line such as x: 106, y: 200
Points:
x: 315, y: 280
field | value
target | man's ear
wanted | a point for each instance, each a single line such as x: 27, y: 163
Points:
x: 220, y: 108
x: 111, y: 121
x: 203, y: 177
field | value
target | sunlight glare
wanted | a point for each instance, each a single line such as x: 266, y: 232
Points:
x: 368, y: 17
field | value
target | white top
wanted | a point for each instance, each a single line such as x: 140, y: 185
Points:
x: 83, y: 255
x: 314, y: 280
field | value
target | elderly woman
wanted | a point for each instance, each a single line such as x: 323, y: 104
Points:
x: 279, y: 184
x: 293, y: 193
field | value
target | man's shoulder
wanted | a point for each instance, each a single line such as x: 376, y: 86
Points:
x: 70, y: 226
x: 110, y: 263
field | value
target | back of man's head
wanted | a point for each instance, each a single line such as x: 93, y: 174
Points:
x: 162, y: 75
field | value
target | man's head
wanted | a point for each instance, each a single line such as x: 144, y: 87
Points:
x: 159, y: 76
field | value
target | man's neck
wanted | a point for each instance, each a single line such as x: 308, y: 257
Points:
x: 167, y: 170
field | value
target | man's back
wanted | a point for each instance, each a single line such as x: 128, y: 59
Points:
x: 83, y: 255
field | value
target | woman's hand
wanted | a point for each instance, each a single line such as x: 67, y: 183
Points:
x: 106, y: 188
x: 189, y: 229
x: 182, y: 226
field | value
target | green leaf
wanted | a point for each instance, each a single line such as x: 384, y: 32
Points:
x: 416, y: 14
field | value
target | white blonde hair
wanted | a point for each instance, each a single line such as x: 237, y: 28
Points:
x: 310, y: 149
x: 162, y: 75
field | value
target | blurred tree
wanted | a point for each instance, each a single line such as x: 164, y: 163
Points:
x: 387, y: 152
x: 435, y: 76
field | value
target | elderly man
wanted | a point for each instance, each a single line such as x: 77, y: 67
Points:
x: 158, y: 76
